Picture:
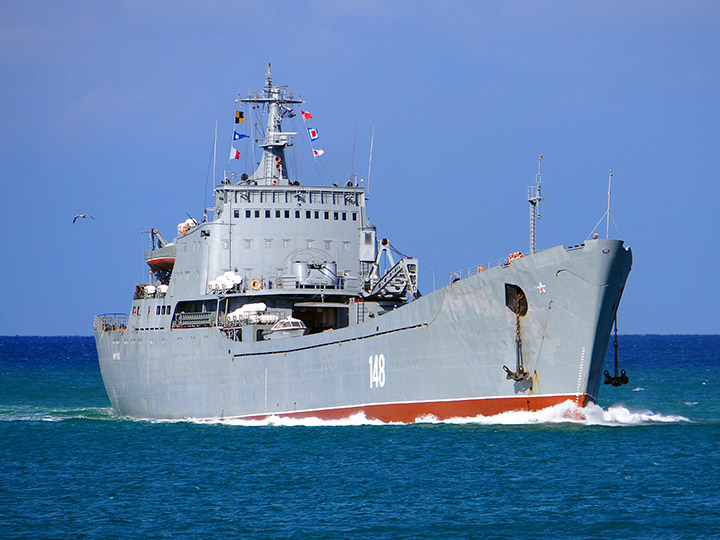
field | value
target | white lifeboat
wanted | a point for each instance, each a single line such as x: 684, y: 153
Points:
x: 288, y: 327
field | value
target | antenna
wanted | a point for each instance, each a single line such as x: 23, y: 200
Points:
x: 215, y: 152
x: 352, y: 163
x: 534, y: 198
x: 372, y: 141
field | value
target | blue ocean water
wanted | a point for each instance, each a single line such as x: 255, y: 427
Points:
x: 644, y: 463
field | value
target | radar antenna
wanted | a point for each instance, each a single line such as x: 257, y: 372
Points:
x: 534, y: 198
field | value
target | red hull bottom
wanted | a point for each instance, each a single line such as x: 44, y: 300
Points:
x: 443, y: 410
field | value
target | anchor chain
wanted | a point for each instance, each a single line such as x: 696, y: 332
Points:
x: 616, y: 380
x: 520, y: 374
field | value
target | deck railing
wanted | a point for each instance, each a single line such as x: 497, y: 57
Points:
x: 110, y: 321
x: 467, y: 272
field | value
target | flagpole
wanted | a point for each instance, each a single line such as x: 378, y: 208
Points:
x: 607, y: 225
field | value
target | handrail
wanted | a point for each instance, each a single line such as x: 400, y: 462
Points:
x: 110, y: 321
x: 467, y: 272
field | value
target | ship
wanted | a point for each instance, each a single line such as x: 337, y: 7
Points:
x: 285, y: 301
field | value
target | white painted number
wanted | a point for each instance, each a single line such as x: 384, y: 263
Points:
x: 377, y: 370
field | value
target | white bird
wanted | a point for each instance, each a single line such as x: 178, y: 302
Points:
x: 82, y: 216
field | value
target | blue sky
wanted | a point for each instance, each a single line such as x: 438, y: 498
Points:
x: 110, y: 107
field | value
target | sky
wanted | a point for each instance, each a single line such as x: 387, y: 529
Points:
x: 109, y: 108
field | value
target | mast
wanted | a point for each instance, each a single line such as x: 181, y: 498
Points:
x: 272, y: 169
x: 534, y: 198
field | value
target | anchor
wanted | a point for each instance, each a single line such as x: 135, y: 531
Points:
x: 516, y: 301
x: 616, y: 380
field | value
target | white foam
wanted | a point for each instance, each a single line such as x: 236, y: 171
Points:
x: 564, y: 413
x: 358, y: 419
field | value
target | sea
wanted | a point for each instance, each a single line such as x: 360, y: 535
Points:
x: 643, y: 463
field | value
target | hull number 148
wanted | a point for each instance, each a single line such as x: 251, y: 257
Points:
x: 377, y: 370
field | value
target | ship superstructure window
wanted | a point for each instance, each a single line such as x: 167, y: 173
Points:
x: 267, y: 213
x: 344, y: 216
x: 310, y: 243
x: 335, y: 216
x: 277, y: 213
x: 236, y: 213
x: 287, y: 213
x: 257, y: 213
x: 248, y: 213
x: 247, y: 243
x: 286, y: 243
x: 328, y: 244
x: 268, y: 243
x: 327, y: 215
x: 157, y: 310
x: 346, y: 246
x: 317, y: 214
x: 308, y: 214
x: 297, y: 214
x: 354, y: 215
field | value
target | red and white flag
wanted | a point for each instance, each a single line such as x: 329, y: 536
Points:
x: 234, y: 154
x: 317, y: 153
x: 306, y: 115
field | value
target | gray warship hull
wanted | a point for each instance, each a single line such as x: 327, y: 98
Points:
x: 441, y: 354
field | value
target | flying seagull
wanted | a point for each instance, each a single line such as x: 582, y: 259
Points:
x: 82, y: 216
